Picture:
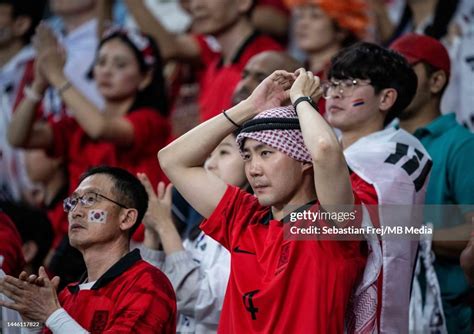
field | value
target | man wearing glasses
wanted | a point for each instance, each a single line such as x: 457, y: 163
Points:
x: 119, y: 292
x: 368, y: 87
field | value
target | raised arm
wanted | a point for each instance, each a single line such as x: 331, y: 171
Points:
x: 23, y: 131
x: 331, y: 175
x: 51, y: 59
x: 183, y: 160
x: 172, y: 46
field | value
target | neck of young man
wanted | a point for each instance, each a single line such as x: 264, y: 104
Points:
x: 231, y: 38
x: 350, y: 136
x: 8, y: 52
x: 72, y: 22
x: 305, y: 195
x: 319, y: 60
x: 423, y: 117
x: 101, y: 257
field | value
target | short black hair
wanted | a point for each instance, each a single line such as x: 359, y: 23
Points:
x: 384, y: 68
x: 34, y: 9
x: 128, y: 189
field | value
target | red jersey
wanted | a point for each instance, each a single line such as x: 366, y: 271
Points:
x: 151, y: 132
x: 11, y: 254
x: 131, y: 297
x: 219, y: 80
x: 278, y: 285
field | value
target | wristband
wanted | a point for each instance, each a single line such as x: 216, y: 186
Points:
x: 230, y: 120
x: 305, y: 99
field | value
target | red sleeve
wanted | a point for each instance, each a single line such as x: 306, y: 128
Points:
x: 208, y: 53
x: 233, y: 213
x: 149, y: 306
x: 62, y: 131
x: 11, y: 254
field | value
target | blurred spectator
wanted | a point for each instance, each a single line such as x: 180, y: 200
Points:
x: 12, y: 261
x: 228, y: 21
x: 35, y: 231
x: 258, y: 68
x: 18, y: 20
x: 430, y: 17
x: 272, y: 17
x: 119, y: 292
x: 50, y: 176
x: 322, y: 28
x: 133, y: 125
x: 452, y: 149
x: 77, y: 30
x: 368, y: 87
x: 459, y: 95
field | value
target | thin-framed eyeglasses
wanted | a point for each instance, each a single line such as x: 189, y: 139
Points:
x: 87, y: 200
x: 343, y: 88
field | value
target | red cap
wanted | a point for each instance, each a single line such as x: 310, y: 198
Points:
x: 421, y: 48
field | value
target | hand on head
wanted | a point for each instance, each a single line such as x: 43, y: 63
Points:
x: 281, y: 85
x: 306, y: 84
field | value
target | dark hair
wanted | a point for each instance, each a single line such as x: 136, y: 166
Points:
x: 349, y: 39
x: 34, y: 9
x: 154, y: 95
x: 128, y: 189
x: 33, y: 225
x: 384, y: 68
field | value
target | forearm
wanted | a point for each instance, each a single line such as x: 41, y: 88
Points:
x: 450, y: 242
x: 332, y: 180
x: 87, y: 115
x: 169, y: 236
x: 192, y: 149
x: 168, y: 42
x: 23, y: 119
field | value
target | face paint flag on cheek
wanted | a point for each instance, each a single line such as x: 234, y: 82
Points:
x: 358, y: 102
x: 97, y: 216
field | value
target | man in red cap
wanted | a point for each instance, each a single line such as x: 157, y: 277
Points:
x: 451, y: 147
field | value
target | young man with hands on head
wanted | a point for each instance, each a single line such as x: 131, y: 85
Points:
x: 291, y: 159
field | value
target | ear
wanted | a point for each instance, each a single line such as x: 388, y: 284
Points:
x: 21, y: 25
x: 128, y: 218
x: 387, y: 98
x: 30, y: 249
x: 438, y: 81
x: 147, y: 78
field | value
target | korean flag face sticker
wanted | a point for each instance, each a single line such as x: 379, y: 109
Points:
x: 97, y: 216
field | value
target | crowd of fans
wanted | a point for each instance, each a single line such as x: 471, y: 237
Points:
x: 152, y: 152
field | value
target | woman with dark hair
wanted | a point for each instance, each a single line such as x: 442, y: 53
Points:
x: 133, y: 124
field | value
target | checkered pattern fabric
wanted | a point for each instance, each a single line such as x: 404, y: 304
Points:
x: 288, y: 141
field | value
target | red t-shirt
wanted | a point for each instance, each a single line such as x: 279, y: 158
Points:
x: 151, y: 132
x: 131, y: 297
x: 219, y: 80
x: 11, y: 253
x: 278, y: 285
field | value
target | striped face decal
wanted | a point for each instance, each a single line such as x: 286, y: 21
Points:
x: 358, y: 102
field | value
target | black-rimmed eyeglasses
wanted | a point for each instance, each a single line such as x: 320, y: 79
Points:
x: 87, y: 200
